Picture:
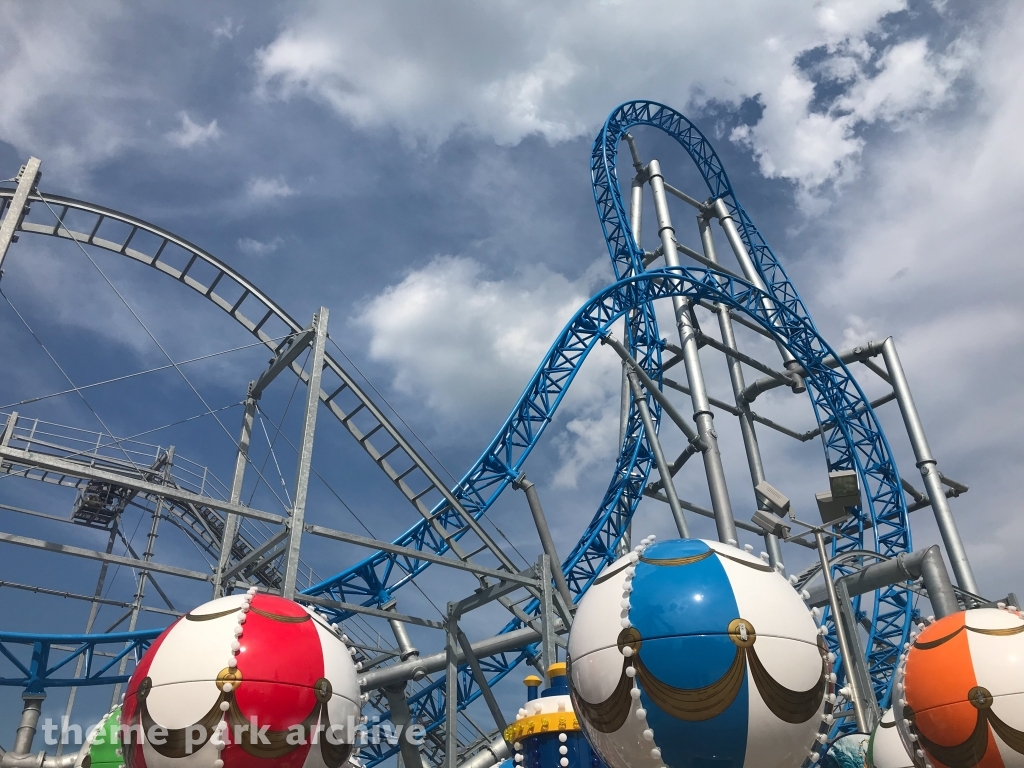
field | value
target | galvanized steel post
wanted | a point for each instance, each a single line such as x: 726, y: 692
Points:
x: 929, y: 471
x: 702, y: 414
x: 27, y: 181
x: 232, y: 521
x: 298, y: 515
x: 845, y: 646
x: 659, y: 457
x: 747, y: 432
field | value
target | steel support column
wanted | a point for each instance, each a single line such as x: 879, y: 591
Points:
x: 27, y: 181
x: 94, y: 609
x: 298, y: 515
x: 30, y: 711
x: 401, y: 718
x: 544, y: 533
x: 625, y: 540
x: 702, y: 414
x: 451, y: 689
x: 547, y: 616
x: 667, y: 483
x: 144, y: 574
x: 636, y: 209
x: 747, y: 432
x: 929, y: 471
x: 845, y: 646
x: 719, y: 209
x: 232, y: 521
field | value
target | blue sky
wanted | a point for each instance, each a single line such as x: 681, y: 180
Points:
x: 422, y: 170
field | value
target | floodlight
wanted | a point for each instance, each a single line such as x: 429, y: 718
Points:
x: 771, y: 497
x: 770, y: 523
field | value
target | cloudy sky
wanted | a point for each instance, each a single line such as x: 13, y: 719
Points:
x: 422, y: 170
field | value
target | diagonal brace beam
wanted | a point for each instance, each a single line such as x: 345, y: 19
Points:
x: 290, y: 349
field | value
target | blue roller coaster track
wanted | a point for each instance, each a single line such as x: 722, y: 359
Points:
x: 851, y: 435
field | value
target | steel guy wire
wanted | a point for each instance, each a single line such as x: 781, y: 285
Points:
x: 136, y: 374
x: 146, y: 329
x: 64, y: 373
x: 393, y: 409
x: 418, y: 438
x: 351, y: 511
x: 117, y: 567
x: 284, y: 484
x: 284, y: 415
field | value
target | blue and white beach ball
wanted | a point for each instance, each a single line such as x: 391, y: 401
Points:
x: 690, y: 654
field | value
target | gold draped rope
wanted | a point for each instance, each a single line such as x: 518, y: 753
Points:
x: 707, y: 702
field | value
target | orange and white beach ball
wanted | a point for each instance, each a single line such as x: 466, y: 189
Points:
x: 959, y: 695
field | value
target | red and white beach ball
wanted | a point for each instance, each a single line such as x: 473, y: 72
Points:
x: 245, y: 681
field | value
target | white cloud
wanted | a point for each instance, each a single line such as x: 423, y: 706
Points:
x: 251, y: 247
x: 263, y: 188
x: 813, y: 148
x: 227, y: 29
x: 587, y: 443
x: 466, y: 346
x: 511, y: 70
x: 190, y: 133
x: 465, y: 343
x: 928, y: 251
x: 54, y: 85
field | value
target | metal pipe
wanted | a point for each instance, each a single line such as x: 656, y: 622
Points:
x: 636, y: 208
x: 929, y: 471
x: 405, y: 647
x: 30, y: 712
x: 546, y: 542
x: 936, y: 581
x: 747, y: 431
x: 750, y: 271
x: 855, y: 355
x: 924, y: 564
x: 702, y: 414
x: 654, y: 389
x: 659, y: 457
x: 401, y: 717
x: 845, y: 647
x: 305, y: 458
x: 490, y: 755
x: 418, y: 668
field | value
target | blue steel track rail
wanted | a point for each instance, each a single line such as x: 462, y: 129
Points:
x: 852, y: 437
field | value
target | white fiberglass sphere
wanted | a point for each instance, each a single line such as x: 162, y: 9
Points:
x: 959, y: 695
x: 234, y: 662
x: 885, y: 748
x: 688, y: 653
